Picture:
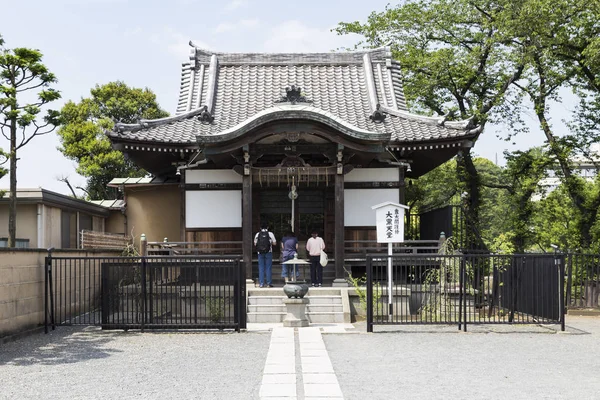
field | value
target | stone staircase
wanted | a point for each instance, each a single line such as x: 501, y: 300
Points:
x: 326, y: 305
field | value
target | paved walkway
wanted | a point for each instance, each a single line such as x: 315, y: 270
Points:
x: 318, y: 378
x: 319, y: 362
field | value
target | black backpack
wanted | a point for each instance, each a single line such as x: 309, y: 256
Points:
x: 263, y: 243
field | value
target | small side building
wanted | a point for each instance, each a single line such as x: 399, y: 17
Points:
x: 48, y: 219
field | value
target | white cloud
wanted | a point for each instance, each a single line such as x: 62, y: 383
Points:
x: 243, y: 24
x: 175, y: 43
x: 224, y: 27
x: 294, y: 36
x: 250, y: 23
x: 235, y: 4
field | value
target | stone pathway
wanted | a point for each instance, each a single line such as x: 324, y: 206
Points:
x: 317, y: 377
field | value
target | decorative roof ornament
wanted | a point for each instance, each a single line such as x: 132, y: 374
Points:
x: 205, y: 115
x: 293, y: 95
x: 378, y: 115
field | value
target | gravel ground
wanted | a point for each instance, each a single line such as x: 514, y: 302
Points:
x: 406, y: 362
x: 488, y: 362
x: 87, y: 363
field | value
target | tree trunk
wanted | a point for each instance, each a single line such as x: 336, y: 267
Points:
x: 468, y: 175
x: 12, y: 199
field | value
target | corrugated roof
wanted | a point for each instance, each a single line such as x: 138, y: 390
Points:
x: 111, y: 204
x: 117, y: 182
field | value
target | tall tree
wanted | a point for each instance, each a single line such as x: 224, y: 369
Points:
x: 3, y: 156
x: 561, y: 52
x: 23, y: 76
x: 82, y: 132
x: 456, y: 62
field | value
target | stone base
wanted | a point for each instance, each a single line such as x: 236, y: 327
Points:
x: 339, y: 283
x: 296, y: 313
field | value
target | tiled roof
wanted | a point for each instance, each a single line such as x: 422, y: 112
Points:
x: 237, y: 89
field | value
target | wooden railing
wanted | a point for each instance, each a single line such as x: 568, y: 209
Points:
x: 363, y: 247
x: 103, y: 240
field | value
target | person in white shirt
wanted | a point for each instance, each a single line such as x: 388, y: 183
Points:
x: 314, y: 246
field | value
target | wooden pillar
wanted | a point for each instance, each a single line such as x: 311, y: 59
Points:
x: 182, y: 223
x: 247, y: 239
x: 339, y: 230
x: 402, y: 186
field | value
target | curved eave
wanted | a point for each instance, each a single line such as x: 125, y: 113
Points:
x: 151, y: 123
x: 294, y: 112
x: 441, y: 121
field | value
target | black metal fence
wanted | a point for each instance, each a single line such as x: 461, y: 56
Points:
x: 182, y: 292
x: 583, y: 280
x: 465, y: 289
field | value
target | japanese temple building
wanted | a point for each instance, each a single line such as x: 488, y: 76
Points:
x: 255, y: 136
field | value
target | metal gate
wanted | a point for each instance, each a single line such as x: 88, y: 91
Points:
x: 465, y: 289
x: 174, y: 292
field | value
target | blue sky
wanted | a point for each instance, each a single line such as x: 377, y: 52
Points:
x: 143, y: 43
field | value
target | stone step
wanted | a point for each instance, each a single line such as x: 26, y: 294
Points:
x: 264, y: 317
x: 266, y: 308
x: 325, y: 317
x: 324, y: 307
x: 278, y: 291
x: 254, y: 300
x: 265, y: 305
x: 324, y: 299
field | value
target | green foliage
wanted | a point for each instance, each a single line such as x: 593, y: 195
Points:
x: 361, y: 290
x: 23, y: 76
x: 82, y: 132
x: 437, y: 188
x: 481, y: 58
x: 216, y: 308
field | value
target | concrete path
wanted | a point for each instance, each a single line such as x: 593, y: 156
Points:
x: 317, y: 378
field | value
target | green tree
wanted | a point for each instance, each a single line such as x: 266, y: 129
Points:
x: 23, y: 76
x: 456, y: 62
x: 561, y: 53
x: 82, y: 132
x: 517, y: 183
x: 3, y: 155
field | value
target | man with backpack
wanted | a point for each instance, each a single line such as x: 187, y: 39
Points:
x: 264, y: 242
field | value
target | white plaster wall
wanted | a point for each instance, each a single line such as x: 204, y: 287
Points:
x: 213, y: 209
x: 372, y: 175
x: 212, y: 176
x: 358, y: 203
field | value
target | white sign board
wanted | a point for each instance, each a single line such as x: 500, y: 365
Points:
x: 389, y: 218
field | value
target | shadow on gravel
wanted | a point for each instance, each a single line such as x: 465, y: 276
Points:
x: 472, y: 328
x: 65, y: 345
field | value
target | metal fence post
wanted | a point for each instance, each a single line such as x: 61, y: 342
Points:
x: 461, y: 289
x: 49, y: 287
x: 369, y: 293
x: 242, y: 294
x: 143, y: 290
x: 561, y: 294
x: 46, y: 300
x: 463, y: 274
x: 569, y: 279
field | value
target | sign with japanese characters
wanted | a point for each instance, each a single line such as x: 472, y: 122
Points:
x: 389, y: 219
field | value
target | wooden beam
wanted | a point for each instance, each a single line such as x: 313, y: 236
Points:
x: 182, y: 192
x: 402, y: 186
